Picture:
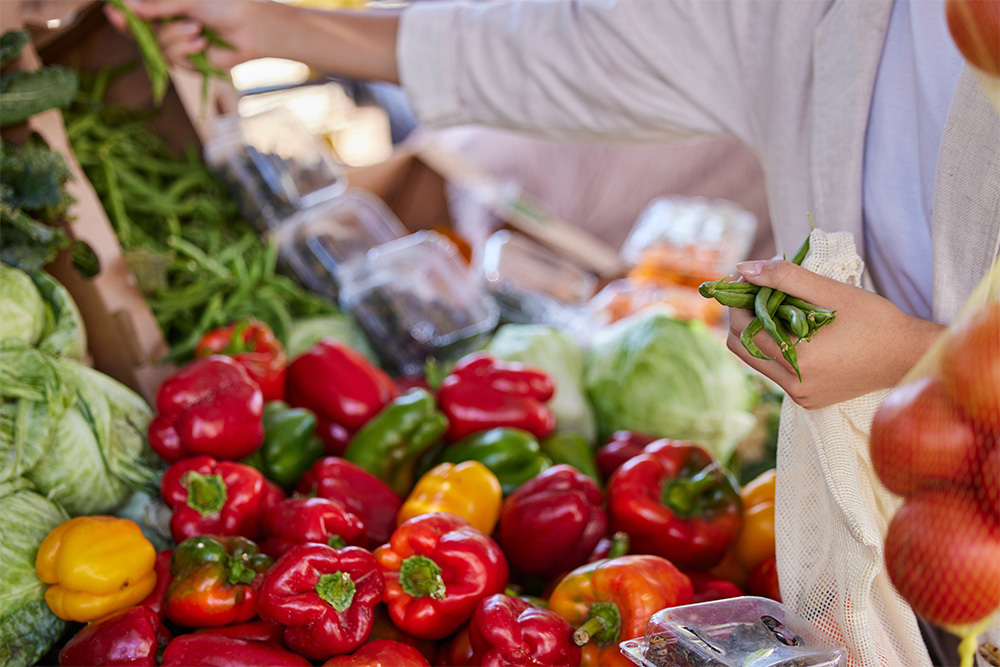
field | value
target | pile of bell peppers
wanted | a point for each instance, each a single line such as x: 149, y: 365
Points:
x: 324, y: 513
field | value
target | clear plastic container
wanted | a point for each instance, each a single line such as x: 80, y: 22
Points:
x: 687, y: 240
x: 531, y: 283
x: 273, y: 165
x: 318, y: 243
x: 415, y: 299
x: 736, y: 632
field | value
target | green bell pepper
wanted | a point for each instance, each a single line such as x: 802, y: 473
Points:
x: 290, y: 444
x: 571, y: 449
x: 513, y: 455
x: 391, y: 444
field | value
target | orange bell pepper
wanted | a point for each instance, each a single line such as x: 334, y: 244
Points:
x: 756, y: 540
x: 96, y: 565
x: 611, y: 600
x: 468, y: 489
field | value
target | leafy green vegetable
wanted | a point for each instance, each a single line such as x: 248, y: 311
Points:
x: 654, y: 374
x: 12, y: 43
x: 22, y: 309
x: 556, y: 353
x: 27, y: 628
x: 308, y: 331
x: 64, y: 334
x: 24, y: 94
x: 98, y: 455
x: 33, y: 397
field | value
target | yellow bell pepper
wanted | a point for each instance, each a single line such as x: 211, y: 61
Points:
x: 468, y: 489
x: 756, y: 540
x: 96, y: 565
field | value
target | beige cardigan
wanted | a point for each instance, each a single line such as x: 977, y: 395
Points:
x: 791, y: 78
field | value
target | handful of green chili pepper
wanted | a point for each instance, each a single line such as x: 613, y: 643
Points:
x: 780, y: 315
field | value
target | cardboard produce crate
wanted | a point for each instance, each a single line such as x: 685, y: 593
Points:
x: 124, y: 339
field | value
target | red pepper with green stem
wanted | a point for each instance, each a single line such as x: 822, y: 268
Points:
x: 341, y: 387
x: 218, y: 650
x: 551, y: 523
x: 210, y: 407
x: 676, y: 501
x: 324, y: 597
x: 296, y: 521
x: 611, y: 600
x: 358, y: 491
x: 507, y: 630
x: 215, y: 581
x: 482, y: 393
x: 437, y: 568
x: 210, y: 497
x: 253, y: 346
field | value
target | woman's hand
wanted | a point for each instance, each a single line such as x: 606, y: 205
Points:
x: 235, y: 21
x: 871, y: 344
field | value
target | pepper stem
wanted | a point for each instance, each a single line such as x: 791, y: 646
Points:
x: 337, y: 590
x: 620, y: 544
x: 239, y: 573
x: 336, y: 541
x: 420, y: 576
x: 603, y: 625
x: 683, y: 495
x: 206, y: 493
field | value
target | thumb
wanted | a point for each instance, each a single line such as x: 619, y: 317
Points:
x: 784, y: 276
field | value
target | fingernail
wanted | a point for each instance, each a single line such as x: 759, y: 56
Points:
x: 750, y: 269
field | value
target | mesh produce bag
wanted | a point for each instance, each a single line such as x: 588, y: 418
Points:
x: 834, y: 512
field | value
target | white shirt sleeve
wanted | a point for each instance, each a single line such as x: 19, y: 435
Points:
x: 626, y: 69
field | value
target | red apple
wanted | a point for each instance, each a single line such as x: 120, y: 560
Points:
x: 942, y: 554
x: 920, y: 439
x: 975, y: 27
x: 970, y: 364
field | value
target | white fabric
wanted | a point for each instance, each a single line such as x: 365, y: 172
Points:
x: 913, y: 90
x: 830, y: 563
x: 793, y: 80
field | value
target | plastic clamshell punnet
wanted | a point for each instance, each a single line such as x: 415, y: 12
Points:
x: 735, y: 632
x: 318, y: 243
x: 531, y: 283
x: 416, y: 300
x: 273, y: 165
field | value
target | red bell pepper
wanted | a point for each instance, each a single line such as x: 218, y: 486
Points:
x: 506, y: 630
x: 217, y: 650
x: 384, y: 628
x: 131, y: 637
x: 708, y: 587
x: 611, y: 600
x: 676, y: 501
x: 212, y: 497
x: 359, y: 491
x: 215, y: 581
x: 256, y: 631
x: 340, y: 387
x: 162, y: 568
x: 763, y: 579
x: 253, y: 346
x: 622, y: 446
x: 437, y: 568
x: 482, y: 393
x: 271, y: 496
x: 324, y: 597
x: 310, y: 520
x: 551, y: 523
x: 456, y: 651
x: 381, y: 653
x: 211, y: 407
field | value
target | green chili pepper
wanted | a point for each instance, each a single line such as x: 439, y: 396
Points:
x: 747, y: 336
x: 796, y: 319
x: 512, y: 454
x: 290, y: 444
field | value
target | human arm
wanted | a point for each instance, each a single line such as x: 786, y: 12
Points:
x: 358, y: 45
x: 871, y: 345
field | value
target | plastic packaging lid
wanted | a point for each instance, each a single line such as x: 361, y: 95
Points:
x: 532, y: 283
x: 274, y: 162
x: 320, y: 241
x: 415, y: 298
x: 731, y: 633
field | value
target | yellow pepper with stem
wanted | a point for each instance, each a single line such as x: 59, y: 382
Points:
x: 468, y: 489
x: 96, y: 565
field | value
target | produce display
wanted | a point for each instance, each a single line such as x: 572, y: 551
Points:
x: 393, y: 471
